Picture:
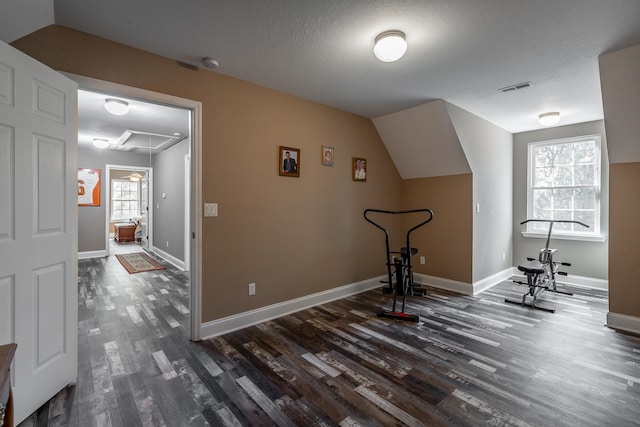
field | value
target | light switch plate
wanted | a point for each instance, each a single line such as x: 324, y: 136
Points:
x: 210, y: 209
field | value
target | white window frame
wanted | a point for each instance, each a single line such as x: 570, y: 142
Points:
x: 590, y: 234
x: 113, y: 218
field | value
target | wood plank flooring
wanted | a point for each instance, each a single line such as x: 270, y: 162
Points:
x: 471, y: 361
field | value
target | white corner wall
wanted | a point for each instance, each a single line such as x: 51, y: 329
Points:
x: 422, y: 142
x: 489, y: 151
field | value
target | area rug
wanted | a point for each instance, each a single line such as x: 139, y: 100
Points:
x: 138, y: 262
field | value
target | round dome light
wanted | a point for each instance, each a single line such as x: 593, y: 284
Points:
x: 549, y: 119
x: 117, y: 107
x: 390, y: 46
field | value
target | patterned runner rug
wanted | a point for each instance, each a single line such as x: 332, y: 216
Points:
x: 138, y: 262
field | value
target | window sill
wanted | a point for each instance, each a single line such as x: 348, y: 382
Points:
x: 600, y: 238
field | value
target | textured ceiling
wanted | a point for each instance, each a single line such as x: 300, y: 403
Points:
x: 461, y: 51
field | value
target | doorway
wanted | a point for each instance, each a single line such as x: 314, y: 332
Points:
x: 136, y: 215
x: 191, y: 217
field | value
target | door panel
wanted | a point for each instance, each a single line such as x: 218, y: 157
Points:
x: 38, y: 227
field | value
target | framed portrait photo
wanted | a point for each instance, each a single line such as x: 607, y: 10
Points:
x: 327, y: 155
x: 289, y: 161
x: 88, y: 187
x: 358, y: 169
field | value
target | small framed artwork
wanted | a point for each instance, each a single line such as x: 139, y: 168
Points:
x: 327, y: 155
x: 358, y: 169
x: 88, y: 187
x: 289, y: 161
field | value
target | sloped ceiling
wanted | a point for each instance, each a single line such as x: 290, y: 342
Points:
x: 621, y: 85
x: 422, y: 141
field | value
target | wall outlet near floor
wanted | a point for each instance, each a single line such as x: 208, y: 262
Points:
x: 167, y: 243
x: 504, y: 256
x: 422, y: 260
x: 252, y: 288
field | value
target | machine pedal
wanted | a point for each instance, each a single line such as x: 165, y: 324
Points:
x: 399, y: 315
x: 537, y: 307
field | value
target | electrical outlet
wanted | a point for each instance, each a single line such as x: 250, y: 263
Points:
x: 504, y: 256
x: 252, y: 288
x: 422, y: 260
x: 167, y: 243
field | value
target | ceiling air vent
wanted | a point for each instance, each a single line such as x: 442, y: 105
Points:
x: 516, y: 86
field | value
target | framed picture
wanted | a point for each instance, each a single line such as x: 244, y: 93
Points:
x: 358, y: 169
x: 327, y: 155
x: 88, y: 187
x: 289, y: 161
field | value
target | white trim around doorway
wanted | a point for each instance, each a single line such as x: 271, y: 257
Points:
x: 195, y: 219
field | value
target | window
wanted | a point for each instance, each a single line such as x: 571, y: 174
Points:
x: 564, y: 184
x: 125, y: 199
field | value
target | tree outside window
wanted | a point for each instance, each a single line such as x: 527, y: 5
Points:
x: 125, y: 199
x: 564, y: 184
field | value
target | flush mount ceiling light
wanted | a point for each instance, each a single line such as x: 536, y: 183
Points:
x: 100, y: 143
x: 390, y: 46
x: 549, y: 119
x: 117, y: 107
x: 210, y: 63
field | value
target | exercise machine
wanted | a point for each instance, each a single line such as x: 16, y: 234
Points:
x: 541, y: 273
x: 399, y: 266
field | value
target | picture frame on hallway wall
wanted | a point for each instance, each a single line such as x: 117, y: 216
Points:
x: 289, y: 161
x: 89, y: 183
x: 328, y: 154
x: 358, y: 169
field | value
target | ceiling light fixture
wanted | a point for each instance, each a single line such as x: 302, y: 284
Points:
x: 549, y: 119
x: 390, y: 46
x: 210, y: 63
x: 100, y: 143
x: 117, y: 107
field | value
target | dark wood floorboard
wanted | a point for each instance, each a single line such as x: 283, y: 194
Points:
x: 470, y: 361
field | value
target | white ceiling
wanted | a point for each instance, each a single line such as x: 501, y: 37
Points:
x: 147, y: 127
x: 461, y: 51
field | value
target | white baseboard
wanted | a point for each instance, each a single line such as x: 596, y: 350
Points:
x: 242, y: 320
x: 441, y: 283
x: 623, y: 322
x: 488, y: 282
x: 92, y: 254
x: 169, y: 258
x: 585, y: 282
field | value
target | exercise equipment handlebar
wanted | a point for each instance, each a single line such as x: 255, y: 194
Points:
x: 366, y: 211
x: 551, y: 222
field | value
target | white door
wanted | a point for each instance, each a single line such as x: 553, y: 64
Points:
x: 144, y: 211
x: 38, y: 227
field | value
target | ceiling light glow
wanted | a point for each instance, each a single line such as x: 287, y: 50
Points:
x: 117, y: 107
x: 549, y: 119
x: 390, y: 46
x: 100, y: 143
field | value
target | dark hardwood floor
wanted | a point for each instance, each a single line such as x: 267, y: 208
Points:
x: 471, y: 361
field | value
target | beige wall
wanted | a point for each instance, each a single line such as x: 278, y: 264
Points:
x: 624, y: 238
x: 620, y: 82
x: 291, y: 236
x: 446, y: 241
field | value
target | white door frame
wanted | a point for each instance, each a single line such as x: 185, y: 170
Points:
x: 187, y: 212
x: 107, y: 200
x: 195, y: 219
